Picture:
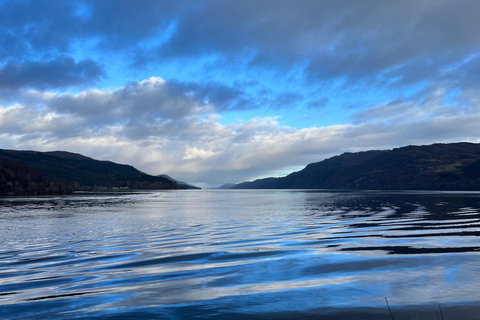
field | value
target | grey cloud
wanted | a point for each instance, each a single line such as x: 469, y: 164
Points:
x: 38, y: 26
x: 125, y: 23
x: 376, y: 43
x: 223, y: 97
x: 341, y: 38
x: 59, y: 73
x: 391, y: 111
x: 389, y: 42
x: 453, y: 128
x: 233, y: 26
x: 288, y: 98
x: 413, y: 71
x: 467, y: 75
x: 318, y: 104
x: 11, y: 45
x: 33, y: 122
x: 48, y: 25
x: 158, y: 98
x: 197, y: 148
x: 153, y: 97
x: 393, y: 34
x: 152, y: 107
x: 258, y: 156
x: 47, y: 30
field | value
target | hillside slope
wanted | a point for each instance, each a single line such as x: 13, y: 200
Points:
x: 453, y: 166
x: 58, y: 172
x: 180, y: 183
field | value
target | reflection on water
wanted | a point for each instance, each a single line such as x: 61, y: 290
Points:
x: 241, y: 254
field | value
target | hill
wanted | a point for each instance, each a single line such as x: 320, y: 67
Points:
x: 454, y: 166
x: 181, y: 183
x: 59, y: 172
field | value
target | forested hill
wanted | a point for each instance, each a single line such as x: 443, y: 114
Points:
x: 453, y: 166
x: 58, y: 172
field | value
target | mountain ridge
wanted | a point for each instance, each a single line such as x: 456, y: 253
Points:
x: 29, y: 172
x: 454, y: 166
x: 182, y: 183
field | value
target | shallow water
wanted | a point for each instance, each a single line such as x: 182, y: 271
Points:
x: 246, y: 254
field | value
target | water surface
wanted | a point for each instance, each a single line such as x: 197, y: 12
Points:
x: 246, y: 254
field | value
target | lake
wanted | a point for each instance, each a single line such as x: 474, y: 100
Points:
x: 241, y: 254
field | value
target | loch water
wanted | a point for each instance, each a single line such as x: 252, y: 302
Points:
x: 241, y: 254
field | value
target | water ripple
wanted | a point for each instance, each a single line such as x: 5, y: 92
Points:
x: 237, y: 253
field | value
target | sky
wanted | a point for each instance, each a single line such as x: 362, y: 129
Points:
x: 224, y: 91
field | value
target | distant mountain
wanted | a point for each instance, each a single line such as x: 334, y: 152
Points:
x: 453, y: 166
x: 182, y: 183
x: 59, y: 172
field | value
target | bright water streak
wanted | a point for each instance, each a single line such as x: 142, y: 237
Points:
x: 241, y: 254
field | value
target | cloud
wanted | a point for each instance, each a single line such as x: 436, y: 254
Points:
x: 337, y: 39
x: 224, y: 97
x: 341, y: 39
x: 141, y: 109
x: 44, y: 26
x: 372, y: 44
x: 59, y: 73
x: 163, y: 128
x: 318, y: 103
x: 29, y: 27
x: 19, y: 120
x: 71, y: 78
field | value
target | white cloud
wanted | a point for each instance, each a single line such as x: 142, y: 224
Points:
x: 160, y: 130
x: 192, y: 153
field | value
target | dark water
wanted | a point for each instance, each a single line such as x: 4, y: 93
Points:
x: 241, y: 255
